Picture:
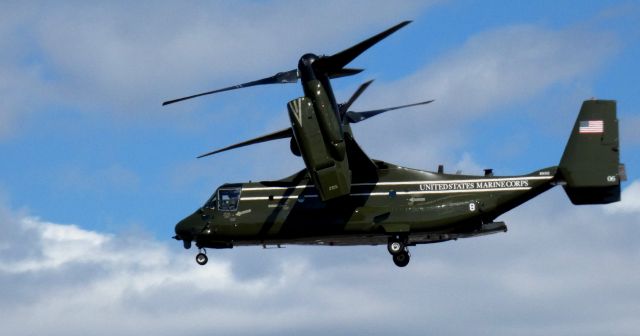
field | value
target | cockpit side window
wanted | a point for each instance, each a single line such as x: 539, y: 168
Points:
x: 212, y: 202
x: 228, y: 199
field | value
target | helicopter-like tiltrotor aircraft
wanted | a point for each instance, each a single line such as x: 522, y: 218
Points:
x: 343, y: 197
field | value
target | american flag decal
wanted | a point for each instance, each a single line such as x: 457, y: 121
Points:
x: 591, y: 126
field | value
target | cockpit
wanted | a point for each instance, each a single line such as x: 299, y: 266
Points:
x: 224, y: 199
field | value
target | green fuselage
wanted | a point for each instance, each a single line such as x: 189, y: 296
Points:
x: 425, y: 206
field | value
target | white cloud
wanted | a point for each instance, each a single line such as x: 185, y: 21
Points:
x: 630, y: 202
x: 65, y: 243
x: 495, y: 68
x: 467, y: 165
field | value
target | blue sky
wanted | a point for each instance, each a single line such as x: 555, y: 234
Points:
x: 92, y: 164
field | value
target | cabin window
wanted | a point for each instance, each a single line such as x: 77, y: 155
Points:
x: 228, y: 199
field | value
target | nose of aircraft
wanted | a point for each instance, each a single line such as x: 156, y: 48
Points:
x: 188, y: 228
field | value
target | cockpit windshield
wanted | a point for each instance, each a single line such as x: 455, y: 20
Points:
x: 228, y: 199
x: 212, y: 202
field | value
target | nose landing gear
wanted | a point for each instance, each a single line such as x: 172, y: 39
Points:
x: 202, y: 258
x: 397, y: 247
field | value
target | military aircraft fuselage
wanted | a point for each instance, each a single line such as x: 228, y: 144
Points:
x: 425, y: 207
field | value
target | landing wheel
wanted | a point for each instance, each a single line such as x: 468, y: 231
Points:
x: 402, y: 259
x: 202, y: 259
x: 396, y: 246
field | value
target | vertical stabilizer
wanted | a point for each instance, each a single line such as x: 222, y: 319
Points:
x: 591, y: 160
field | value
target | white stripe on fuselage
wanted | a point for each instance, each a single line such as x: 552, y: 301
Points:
x: 403, y: 183
x: 456, y: 181
x: 407, y: 183
x: 387, y: 193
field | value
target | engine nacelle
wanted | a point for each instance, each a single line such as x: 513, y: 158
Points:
x: 330, y: 172
x: 327, y: 120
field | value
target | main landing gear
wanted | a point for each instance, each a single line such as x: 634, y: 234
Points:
x: 397, y: 247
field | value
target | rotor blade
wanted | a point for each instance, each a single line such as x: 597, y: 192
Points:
x: 345, y: 107
x: 285, y: 133
x: 290, y: 76
x: 355, y: 117
x: 341, y: 59
x: 344, y: 72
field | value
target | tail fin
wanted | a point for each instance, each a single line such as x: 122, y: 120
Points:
x: 590, y: 164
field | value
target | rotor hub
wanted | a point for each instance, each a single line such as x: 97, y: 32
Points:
x: 307, y: 59
x: 305, y: 67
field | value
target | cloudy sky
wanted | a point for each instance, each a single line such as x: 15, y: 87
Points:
x: 94, y: 173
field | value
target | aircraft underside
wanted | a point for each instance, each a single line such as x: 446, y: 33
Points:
x: 397, y: 244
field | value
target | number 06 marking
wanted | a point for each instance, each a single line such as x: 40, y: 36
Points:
x: 472, y: 207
